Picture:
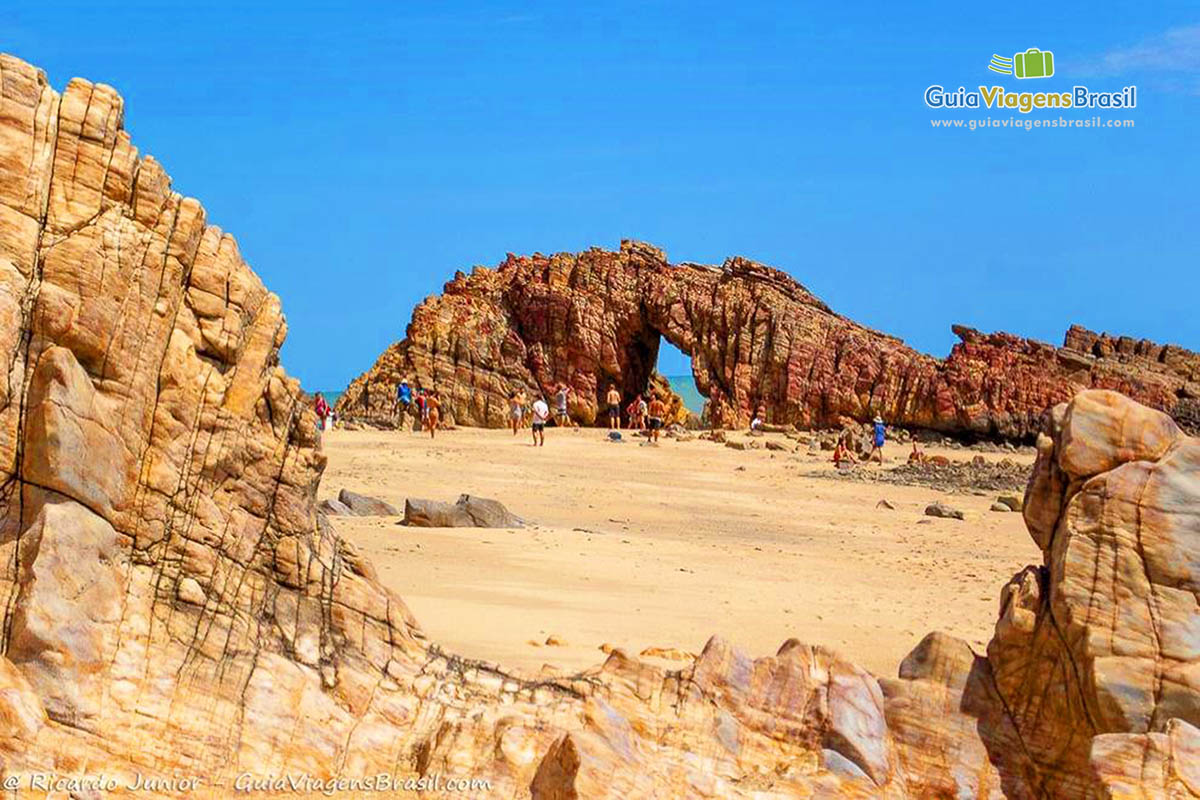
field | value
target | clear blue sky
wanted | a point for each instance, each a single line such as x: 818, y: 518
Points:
x: 361, y: 156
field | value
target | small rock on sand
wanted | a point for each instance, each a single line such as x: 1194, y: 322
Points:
x: 334, y: 508
x: 468, y: 512
x: 667, y: 653
x: 362, y: 505
x: 1011, y: 500
x: 940, y: 509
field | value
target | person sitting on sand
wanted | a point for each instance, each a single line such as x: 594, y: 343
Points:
x: 842, y: 455
x: 433, y: 406
x: 657, y: 410
x: 760, y: 417
x: 560, y: 401
x: 917, y: 456
x: 614, y: 407
x: 541, y: 415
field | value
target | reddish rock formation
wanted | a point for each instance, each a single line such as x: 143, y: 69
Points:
x: 755, y: 336
x: 174, y: 605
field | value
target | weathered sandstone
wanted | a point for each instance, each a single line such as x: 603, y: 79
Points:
x: 174, y: 604
x: 755, y: 336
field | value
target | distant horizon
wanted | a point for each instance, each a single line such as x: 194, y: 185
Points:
x: 361, y: 158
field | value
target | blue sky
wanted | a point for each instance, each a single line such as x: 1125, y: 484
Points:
x: 360, y: 157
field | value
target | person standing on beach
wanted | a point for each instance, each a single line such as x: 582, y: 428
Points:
x: 541, y: 415
x: 636, y: 411
x: 560, y: 401
x: 515, y: 411
x: 657, y: 409
x: 880, y: 438
x: 422, y: 408
x: 433, y: 412
x: 403, y: 398
x: 324, y: 413
x: 614, y: 407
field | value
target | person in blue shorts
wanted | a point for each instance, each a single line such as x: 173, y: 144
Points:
x: 880, y: 438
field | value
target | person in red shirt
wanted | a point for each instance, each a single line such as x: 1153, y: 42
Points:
x: 321, y: 407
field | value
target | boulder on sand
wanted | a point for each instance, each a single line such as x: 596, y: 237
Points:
x: 334, y: 508
x: 1012, y: 501
x: 940, y: 509
x: 360, y: 505
x: 468, y: 512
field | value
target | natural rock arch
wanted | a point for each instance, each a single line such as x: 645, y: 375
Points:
x: 755, y: 336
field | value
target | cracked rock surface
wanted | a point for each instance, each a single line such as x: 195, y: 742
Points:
x: 755, y: 337
x: 175, y: 604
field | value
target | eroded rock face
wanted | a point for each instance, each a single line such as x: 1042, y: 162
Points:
x: 756, y: 337
x: 1090, y: 686
x: 173, y: 602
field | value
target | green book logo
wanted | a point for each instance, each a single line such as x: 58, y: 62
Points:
x: 1033, y: 63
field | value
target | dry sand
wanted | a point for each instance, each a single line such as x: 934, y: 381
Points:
x: 664, y: 546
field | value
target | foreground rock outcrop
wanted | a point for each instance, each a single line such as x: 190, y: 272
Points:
x: 467, y: 512
x: 755, y: 336
x: 175, y: 606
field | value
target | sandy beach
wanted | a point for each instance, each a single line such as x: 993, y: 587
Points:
x: 642, y: 547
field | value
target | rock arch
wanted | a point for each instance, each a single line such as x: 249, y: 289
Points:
x: 755, y: 336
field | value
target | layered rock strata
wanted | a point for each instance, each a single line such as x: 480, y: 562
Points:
x: 756, y: 337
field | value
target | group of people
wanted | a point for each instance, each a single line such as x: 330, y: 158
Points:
x: 644, y: 414
x: 843, y: 455
x: 426, y: 403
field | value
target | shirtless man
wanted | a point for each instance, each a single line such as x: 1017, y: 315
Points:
x: 434, y: 404
x: 917, y: 456
x: 614, y: 407
x: 656, y: 410
x: 522, y: 407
